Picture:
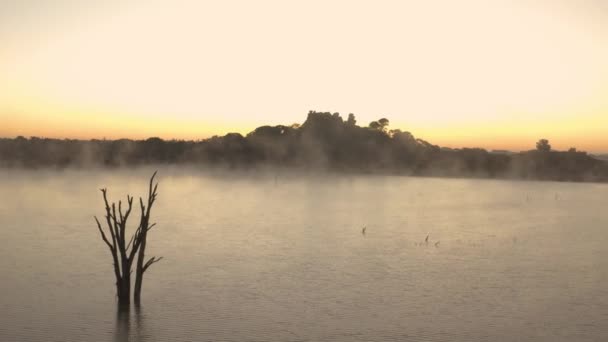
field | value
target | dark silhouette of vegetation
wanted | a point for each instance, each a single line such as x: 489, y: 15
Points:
x: 144, y: 228
x: 324, y: 141
x: 124, y: 249
x: 351, y: 120
x: 543, y: 145
x: 380, y: 125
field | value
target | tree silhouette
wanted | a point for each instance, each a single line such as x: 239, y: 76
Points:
x: 324, y: 141
x: 123, y: 251
x: 383, y: 123
x: 144, y: 228
x: 380, y: 125
x: 543, y: 145
x: 351, y: 120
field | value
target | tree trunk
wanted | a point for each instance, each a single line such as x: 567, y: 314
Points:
x: 124, y: 297
x: 144, y: 227
x: 139, y: 271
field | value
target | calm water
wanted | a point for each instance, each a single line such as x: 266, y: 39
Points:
x: 254, y: 258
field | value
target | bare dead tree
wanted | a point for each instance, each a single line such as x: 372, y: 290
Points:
x: 145, y: 227
x: 123, y: 252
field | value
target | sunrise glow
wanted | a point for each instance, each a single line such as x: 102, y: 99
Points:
x: 492, y: 74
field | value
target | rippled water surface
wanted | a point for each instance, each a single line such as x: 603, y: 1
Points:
x: 265, y: 258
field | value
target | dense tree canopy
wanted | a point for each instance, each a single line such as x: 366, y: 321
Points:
x: 324, y: 141
x: 543, y: 145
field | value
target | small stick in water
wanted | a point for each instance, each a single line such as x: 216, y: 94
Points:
x: 363, y: 230
x: 427, y: 239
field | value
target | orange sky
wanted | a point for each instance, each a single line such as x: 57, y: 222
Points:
x: 494, y: 74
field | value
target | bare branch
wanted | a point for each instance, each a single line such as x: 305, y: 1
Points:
x: 103, y: 235
x: 136, y: 240
x: 150, y: 192
x: 151, y: 226
x: 130, y: 206
x: 131, y: 241
x: 115, y: 226
x: 104, y: 191
x: 150, y: 262
x: 143, y: 207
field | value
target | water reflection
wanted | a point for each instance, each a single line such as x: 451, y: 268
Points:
x: 125, y: 317
x: 123, y: 324
x: 139, y: 323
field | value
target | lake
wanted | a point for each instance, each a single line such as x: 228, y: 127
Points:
x: 279, y: 257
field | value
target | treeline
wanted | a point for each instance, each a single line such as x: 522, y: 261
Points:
x: 324, y: 141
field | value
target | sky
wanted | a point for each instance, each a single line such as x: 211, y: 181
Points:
x: 494, y: 74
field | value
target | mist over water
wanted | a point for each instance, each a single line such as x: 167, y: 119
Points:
x: 280, y: 257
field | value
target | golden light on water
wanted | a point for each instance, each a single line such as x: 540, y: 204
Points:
x: 494, y: 74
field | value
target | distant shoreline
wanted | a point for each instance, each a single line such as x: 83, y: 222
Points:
x: 324, y: 142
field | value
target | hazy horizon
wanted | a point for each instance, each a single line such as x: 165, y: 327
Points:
x: 495, y: 75
x: 531, y: 147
